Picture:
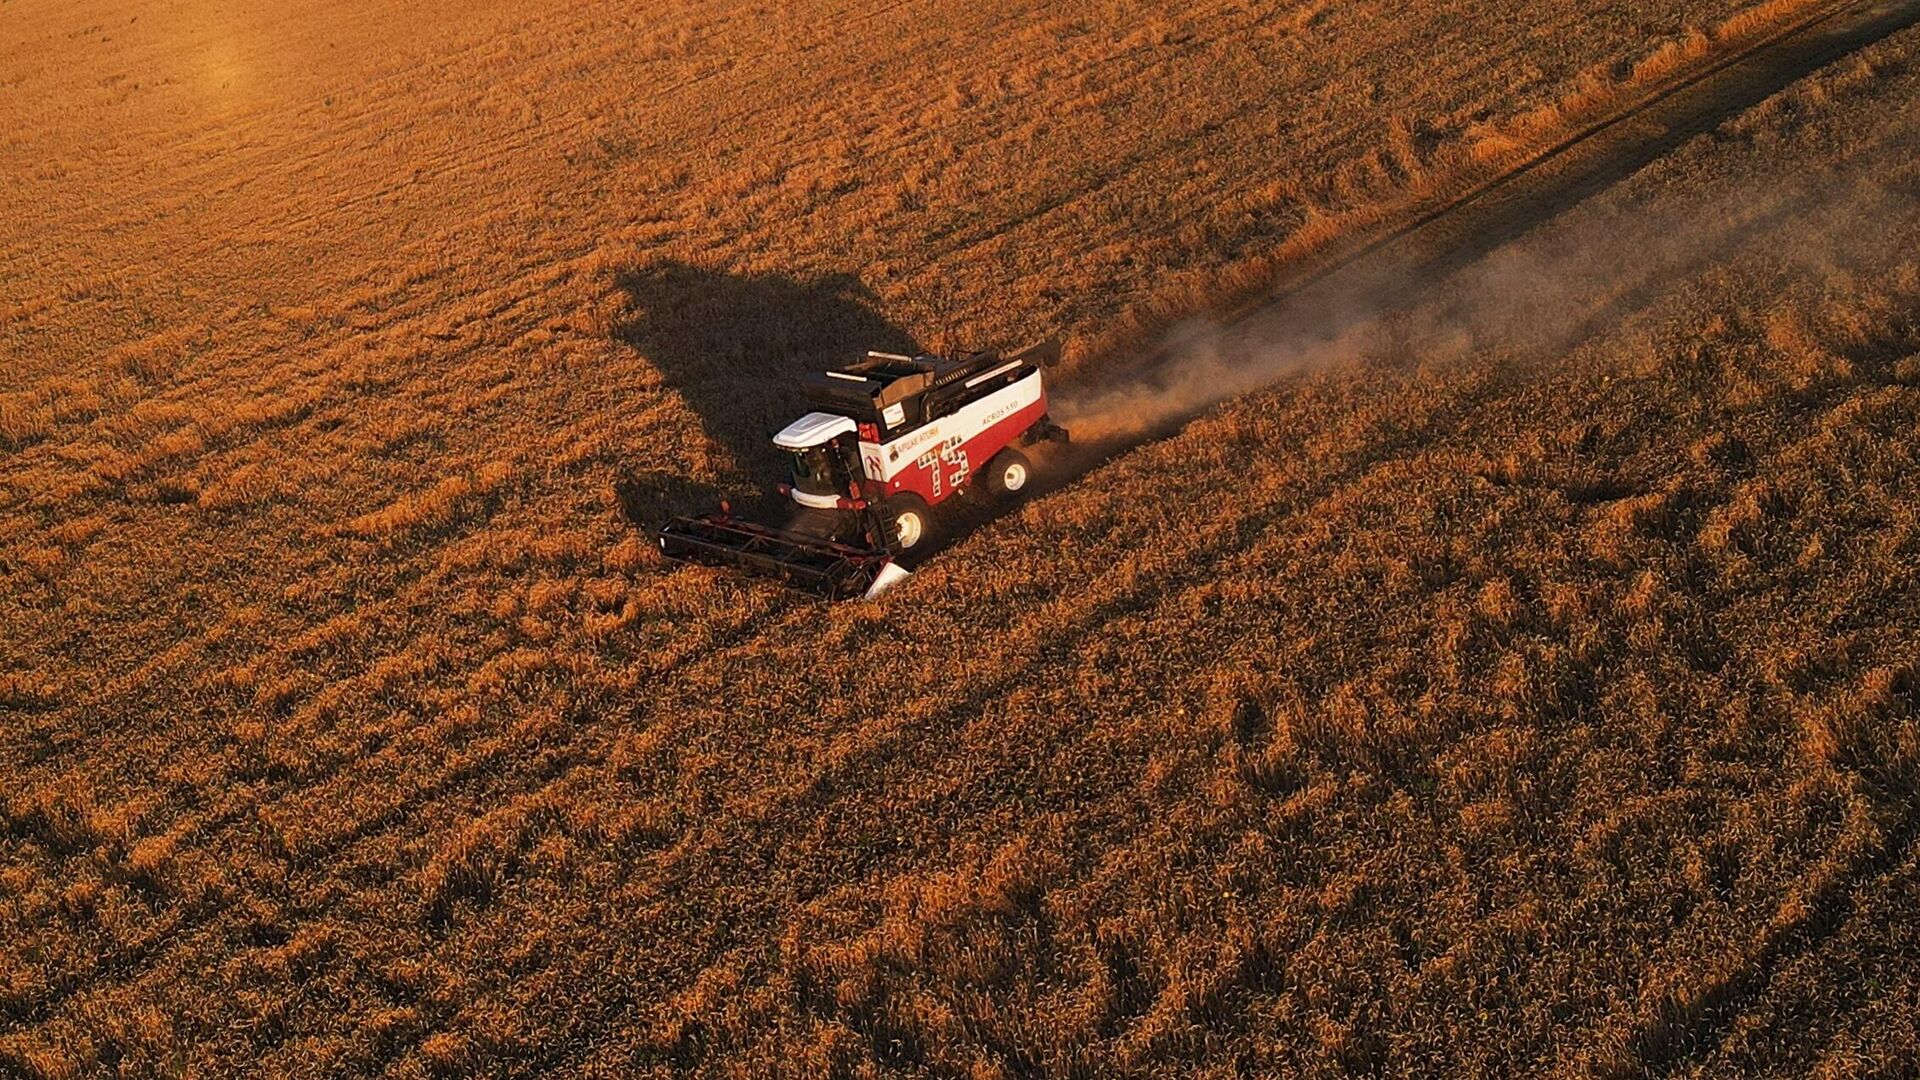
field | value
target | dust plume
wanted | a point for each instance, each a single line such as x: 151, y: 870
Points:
x: 1531, y: 300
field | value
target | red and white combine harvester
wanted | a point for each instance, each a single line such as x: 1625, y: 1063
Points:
x: 890, y: 438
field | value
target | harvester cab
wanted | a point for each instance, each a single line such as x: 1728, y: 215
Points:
x: 889, y: 438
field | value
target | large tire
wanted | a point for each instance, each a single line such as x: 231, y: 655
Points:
x: 912, y: 526
x: 1009, y: 473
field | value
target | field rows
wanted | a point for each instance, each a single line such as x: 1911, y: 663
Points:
x: 1502, y: 705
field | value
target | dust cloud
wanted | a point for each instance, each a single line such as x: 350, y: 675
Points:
x: 1531, y: 300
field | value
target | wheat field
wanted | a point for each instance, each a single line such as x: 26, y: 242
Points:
x: 1524, y: 683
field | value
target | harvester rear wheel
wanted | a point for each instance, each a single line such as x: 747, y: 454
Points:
x: 1008, y: 473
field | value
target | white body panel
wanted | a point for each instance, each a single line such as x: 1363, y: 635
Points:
x: 891, y: 459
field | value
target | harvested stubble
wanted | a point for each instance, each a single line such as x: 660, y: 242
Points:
x: 1496, y: 710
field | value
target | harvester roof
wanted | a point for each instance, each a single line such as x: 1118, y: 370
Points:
x: 813, y: 429
x: 867, y: 387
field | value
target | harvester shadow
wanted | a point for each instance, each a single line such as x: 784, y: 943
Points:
x: 1054, y: 468
x: 735, y: 346
x: 649, y: 496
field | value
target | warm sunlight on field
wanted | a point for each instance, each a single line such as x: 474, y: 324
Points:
x: 1525, y: 683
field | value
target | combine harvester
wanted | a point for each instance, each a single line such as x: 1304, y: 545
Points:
x: 890, y: 438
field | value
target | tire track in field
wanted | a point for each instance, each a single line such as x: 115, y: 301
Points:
x: 1372, y: 271
x: 1464, y: 228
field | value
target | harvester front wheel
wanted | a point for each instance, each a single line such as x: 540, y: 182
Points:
x: 911, y: 525
x: 1008, y: 473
